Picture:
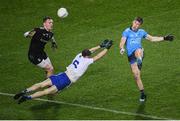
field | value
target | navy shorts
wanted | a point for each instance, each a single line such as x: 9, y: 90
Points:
x: 132, y: 58
x: 60, y: 80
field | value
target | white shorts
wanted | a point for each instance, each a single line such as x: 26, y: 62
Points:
x: 46, y: 64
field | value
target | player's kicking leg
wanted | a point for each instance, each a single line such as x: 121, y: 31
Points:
x: 139, y: 57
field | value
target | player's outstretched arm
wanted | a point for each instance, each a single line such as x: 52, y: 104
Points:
x: 29, y: 33
x: 103, y: 52
x: 154, y: 38
x: 100, y: 55
x: 94, y: 49
x: 102, y: 45
x: 158, y: 39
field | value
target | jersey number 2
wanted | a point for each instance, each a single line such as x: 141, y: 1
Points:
x: 75, y: 63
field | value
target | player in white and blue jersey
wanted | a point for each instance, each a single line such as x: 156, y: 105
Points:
x: 132, y: 38
x: 73, y: 72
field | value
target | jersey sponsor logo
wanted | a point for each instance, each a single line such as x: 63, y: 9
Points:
x: 131, y: 35
x: 135, y: 41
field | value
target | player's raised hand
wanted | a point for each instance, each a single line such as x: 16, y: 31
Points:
x: 169, y: 37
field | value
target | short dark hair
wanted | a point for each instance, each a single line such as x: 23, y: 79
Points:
x: 139, y: 19
x: 46, y: 18
x: 86, y: 52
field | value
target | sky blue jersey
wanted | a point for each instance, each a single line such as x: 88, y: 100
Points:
x: 133, y: 39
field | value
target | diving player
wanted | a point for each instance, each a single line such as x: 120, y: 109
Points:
x: 73, y: 72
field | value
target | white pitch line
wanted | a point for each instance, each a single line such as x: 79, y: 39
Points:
x: 94, y: 108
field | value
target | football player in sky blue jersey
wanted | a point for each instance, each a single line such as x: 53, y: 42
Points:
x: 132, y: 38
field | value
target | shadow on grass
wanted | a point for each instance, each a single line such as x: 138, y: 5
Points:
x: 141, y: 110
x: 46, y: 111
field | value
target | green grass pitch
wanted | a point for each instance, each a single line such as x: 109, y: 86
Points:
x: 107, y: 87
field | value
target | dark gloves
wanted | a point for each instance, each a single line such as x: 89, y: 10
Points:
x: 102, y: 45
x: 169, y: 37
x: 109, y: 44
x: 106, y: 44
